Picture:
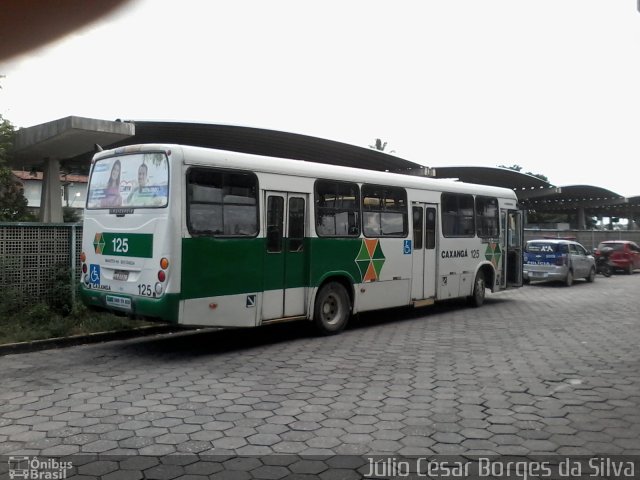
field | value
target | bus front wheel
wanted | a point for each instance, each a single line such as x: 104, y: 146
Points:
x: 479, y: 291
x: 332, y: 308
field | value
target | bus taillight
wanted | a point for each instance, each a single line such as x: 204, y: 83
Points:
x: 162, y: 276
x: 164, y: 263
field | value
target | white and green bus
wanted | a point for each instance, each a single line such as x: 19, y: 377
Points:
x: 205, y: 237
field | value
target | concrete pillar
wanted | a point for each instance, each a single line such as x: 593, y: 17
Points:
x: 582, y: 222
x: 51, y: 198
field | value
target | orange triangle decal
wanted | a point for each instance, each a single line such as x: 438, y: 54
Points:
x: 371, y: 245
x: 371, y: 273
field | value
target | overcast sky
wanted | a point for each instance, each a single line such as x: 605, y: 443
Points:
x: 551, y: 85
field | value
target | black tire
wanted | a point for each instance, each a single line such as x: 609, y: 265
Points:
x: 592, y: 275
x: 479, y: 291
x: 569, y: 280
x: 332, y: 309
x: 606, y: 270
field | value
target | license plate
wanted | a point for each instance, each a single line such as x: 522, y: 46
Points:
x: 119, y: 302
x: 537, y: 274
x: 121, y: 275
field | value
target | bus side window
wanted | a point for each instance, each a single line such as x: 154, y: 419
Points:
x: 430, y: 229
x: 222, y: 203
x: 275, y: 223
x: 487, y: 217
x: 337, y: 209
x: 417, y: 228
x: 458, y: 218
x: 384, y: 211
x: 296, y: 224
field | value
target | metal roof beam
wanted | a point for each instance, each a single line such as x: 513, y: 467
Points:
x: 526, y: 194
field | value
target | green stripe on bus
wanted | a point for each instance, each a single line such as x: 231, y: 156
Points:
x: 215, y: 267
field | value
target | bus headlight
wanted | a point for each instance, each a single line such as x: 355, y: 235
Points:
x: 158, y: 288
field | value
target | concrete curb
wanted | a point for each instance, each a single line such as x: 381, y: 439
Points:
x: 98, y: 337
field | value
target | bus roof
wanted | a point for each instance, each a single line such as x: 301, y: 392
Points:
x: 258, y: 163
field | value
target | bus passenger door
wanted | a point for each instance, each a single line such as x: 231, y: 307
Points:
x: 512, y: 236
x: 285, y: 265
x: 423, y: 283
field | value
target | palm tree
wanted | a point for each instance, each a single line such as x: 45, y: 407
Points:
x: 380, y: 146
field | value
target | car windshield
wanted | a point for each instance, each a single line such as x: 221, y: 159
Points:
x: 131, y: 181
x: 613, y: 246
x: 545, y: 247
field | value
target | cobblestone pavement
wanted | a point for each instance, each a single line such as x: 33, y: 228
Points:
x: 544, y: 369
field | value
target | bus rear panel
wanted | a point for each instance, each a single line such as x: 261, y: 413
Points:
x: 127, y: 261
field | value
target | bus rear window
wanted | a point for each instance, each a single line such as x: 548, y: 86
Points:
x: 138, y: 180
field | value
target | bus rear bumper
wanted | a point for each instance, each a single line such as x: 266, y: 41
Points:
x: 164, y: 309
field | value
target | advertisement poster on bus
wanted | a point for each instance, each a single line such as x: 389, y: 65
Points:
x: 138, y: 180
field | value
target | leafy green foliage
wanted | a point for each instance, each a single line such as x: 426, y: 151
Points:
x: 7, y: 133
x: 22, y: 321
x: 60, y: 289
x: 13, y: 204
x: 39, y: 321
x: 380, y: 146
x: 70, y: 215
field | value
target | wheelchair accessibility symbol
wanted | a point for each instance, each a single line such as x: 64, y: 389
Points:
x: 94, y: 274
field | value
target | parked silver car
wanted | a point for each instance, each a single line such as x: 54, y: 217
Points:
x: 562, y: 260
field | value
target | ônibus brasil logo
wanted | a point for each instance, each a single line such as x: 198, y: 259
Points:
x: 38, y: 469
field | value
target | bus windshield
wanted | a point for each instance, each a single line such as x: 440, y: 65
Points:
x: 138, y: 180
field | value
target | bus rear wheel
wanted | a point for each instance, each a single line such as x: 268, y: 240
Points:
x: 332, y: 309
x: 479, y: 291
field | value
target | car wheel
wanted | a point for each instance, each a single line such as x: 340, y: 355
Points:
x: 569, y: 280
x: 479, y: 291
x: 592, y: 275
x: 332, y: 309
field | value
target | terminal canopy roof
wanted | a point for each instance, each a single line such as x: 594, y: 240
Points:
x: 71, y: 140
x: 525, y: 186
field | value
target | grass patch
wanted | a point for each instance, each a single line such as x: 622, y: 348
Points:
x: 40, y: 321
x: 23, y: 321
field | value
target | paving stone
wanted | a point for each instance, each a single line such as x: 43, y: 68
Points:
x: 139, y: 463
x: 164, y: 472
x: 518, y: 380
x: 99, y: 446
x: 205, y: 468
x: 125, y: 475
x: 98, y: 468
x: 289, y: 447
x: 310, y: 467
x: 245, y: 464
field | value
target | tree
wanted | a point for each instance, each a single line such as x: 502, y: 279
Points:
x: 518, y: 168
x: 380, y: 146
x: 540, y: 217
x: 13, y: 204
